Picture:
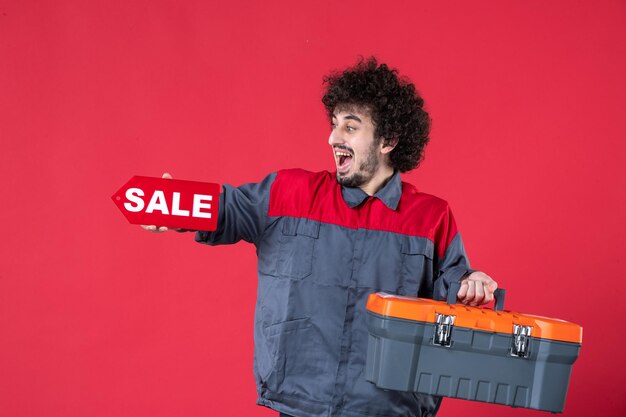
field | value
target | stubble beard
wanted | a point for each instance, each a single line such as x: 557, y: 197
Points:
x: 365, y: 171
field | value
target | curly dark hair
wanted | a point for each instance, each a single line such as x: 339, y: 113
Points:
x: 396, y: 108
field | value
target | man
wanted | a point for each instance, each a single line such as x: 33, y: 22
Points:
x: 326, y: 241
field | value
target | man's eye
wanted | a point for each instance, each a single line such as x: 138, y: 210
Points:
x: 350, y: 128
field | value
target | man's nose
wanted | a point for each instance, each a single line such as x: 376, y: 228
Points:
x: 335, y: 138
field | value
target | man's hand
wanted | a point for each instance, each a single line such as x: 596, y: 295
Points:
x: 158, y: 229
x: 477, y: 288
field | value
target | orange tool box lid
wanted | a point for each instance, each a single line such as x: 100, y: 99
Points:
x: 425, y: 310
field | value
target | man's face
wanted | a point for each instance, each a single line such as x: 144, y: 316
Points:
x: 357, y: 153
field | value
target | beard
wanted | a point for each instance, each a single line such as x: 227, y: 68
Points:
x: 364, y: 172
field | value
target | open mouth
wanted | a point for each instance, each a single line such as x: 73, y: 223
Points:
x: 343, y: 159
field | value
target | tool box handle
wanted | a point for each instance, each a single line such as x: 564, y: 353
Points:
x: 498, y: 295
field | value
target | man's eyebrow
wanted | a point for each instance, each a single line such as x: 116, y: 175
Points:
x: 350, y: 117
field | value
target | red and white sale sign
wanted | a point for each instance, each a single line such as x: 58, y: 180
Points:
x: 168, y: 202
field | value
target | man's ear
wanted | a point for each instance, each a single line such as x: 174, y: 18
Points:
x: 388, y: 145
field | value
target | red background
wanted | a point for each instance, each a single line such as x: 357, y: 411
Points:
x: 99, y: 318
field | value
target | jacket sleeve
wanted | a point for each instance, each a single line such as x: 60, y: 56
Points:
x: 452, y: 264
x: 242, y: 214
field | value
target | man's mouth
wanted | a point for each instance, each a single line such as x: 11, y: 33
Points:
x: 343, y: 159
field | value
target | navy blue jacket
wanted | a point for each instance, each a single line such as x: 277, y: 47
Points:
x: 322, y: 249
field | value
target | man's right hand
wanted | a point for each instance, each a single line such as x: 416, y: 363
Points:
x: 154, y: 228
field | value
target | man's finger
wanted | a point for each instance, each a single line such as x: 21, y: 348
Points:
x: 471, y: 291
x: 462, y: 293
x: 167, y: 175
x: 153, y: 228
x: 488, y: 297
x: 479, y: 294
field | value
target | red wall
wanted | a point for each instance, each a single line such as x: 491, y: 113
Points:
x: 99, y: 318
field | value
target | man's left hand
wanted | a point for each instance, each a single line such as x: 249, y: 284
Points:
x: 476, y: 288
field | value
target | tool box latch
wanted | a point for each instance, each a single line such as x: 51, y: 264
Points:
x: 443, y: 329
x: 521, y: 339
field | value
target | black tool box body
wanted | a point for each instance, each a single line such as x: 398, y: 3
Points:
x: 475, y: 361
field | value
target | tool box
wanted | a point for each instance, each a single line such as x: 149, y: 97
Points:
x: 480, y: 354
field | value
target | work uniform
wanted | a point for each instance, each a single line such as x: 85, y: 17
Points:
x: 322, y: 249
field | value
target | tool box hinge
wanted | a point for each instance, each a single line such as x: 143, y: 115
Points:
x: 443, y: 329
x: 521, y: 340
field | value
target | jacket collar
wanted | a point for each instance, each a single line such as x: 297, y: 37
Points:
x: 389, y: 194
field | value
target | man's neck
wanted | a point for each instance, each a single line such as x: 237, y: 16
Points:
x: 378, y: 181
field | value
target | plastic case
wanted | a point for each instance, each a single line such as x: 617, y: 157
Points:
x: 452, y: 350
